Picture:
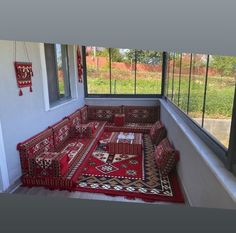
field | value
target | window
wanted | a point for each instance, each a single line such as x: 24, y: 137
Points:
x: 148, y: 72
x: 219, y: 97
x: 203, y: 86
x: 98, y: 77
x: 122, y: 72
x: 57, y: 66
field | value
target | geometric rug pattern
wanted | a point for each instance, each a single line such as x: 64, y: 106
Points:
x: 149, y: 185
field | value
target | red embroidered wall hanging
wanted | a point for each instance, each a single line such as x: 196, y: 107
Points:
x: 24, y: 75
x: 79, y: 65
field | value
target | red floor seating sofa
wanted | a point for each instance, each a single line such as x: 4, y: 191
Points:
x: 53, y: 158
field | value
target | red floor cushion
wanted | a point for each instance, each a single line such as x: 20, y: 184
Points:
x: 166, y: 157
x: 157, y: 132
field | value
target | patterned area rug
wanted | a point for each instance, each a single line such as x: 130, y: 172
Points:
x: 128, y: 175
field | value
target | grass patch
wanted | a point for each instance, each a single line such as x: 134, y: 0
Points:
x: 219, y: 98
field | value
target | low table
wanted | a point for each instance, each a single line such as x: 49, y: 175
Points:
x: 125, y: 143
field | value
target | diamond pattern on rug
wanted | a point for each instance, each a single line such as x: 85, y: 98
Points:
x: 152, y: 186
x: 102, y: 164
x: 106, y: 168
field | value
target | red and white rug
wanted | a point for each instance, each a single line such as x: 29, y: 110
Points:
x: 132, y: 176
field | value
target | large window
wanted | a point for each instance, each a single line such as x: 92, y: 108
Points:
x: 219, y: 97
x: 202, y: 86
x: 98, y: 77
x: 122, y: 72
x: 57, y: 65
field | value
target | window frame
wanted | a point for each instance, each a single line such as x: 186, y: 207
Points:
x: 135, y: 95
x: 66, y: 79
x: 226, y: 155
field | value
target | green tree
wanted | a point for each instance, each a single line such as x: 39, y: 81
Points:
x: 116, y: 56
x: 144, y: 56
x: 225, y: 65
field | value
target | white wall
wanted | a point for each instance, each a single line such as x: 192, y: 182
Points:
x: 23, y: 116
x: 206, y: 181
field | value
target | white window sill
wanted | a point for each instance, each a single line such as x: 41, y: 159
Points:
x: 119, y: 99
x: 61, y: 104
x: 224, y: 176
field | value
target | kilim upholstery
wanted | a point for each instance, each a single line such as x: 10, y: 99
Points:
x: 61, y: 132
x: 129, y: 127
x: 157, y: 132
x: 141, y: 114
x: 54, y: 157
x: 30, y: 148
x: 84, y: 114
x: 103, y: 113
x: 166, y: 157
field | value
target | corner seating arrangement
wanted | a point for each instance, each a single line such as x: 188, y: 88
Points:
x: 54, y: 157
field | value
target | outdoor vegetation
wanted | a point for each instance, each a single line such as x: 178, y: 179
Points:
x: 148, y: 77
x: 129, y: 71
x: 220, y: 85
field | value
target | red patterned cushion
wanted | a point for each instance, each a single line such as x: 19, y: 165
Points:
x: 75, y: 119
x: 158, y: 132
x: 61, y: 132
x: 103, y: 113
x: 35, y: 145
x: 84, y: 131
x: 141, y: 114
x: 119, y: 119
x: 50, y: 164
x: 84, y: 114
x: 94, y: 125
x: 166, y: 157
x: 129, y: 127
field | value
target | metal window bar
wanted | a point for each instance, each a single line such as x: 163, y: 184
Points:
x: 84, y: 70
x: 168, y: 75
x: 135, y: 70
x: 180, y: 74
x: 164, y: 70
x: 110, y: 67
x: 205, y: 91
x: 189, y: 83
x: 173, y: 74
x: 231, y: 154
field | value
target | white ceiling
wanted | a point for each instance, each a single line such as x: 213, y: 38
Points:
x: 203, y: 26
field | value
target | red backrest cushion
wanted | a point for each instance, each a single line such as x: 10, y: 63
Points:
x: 103, y: 113
x: 84, y: 114
x: 141, y: 114
x: 166, y: 157
x: 75, y: 118
x: 30, y: 148
x: 158, y: 132
x: 49, y: 164
x: 75, y: 121
x: 61, y: 132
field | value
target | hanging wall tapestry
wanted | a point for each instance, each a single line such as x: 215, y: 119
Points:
x: 79, y: 65
x: 23, y: 72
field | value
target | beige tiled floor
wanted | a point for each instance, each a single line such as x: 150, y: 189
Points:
x: 39, y: 191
